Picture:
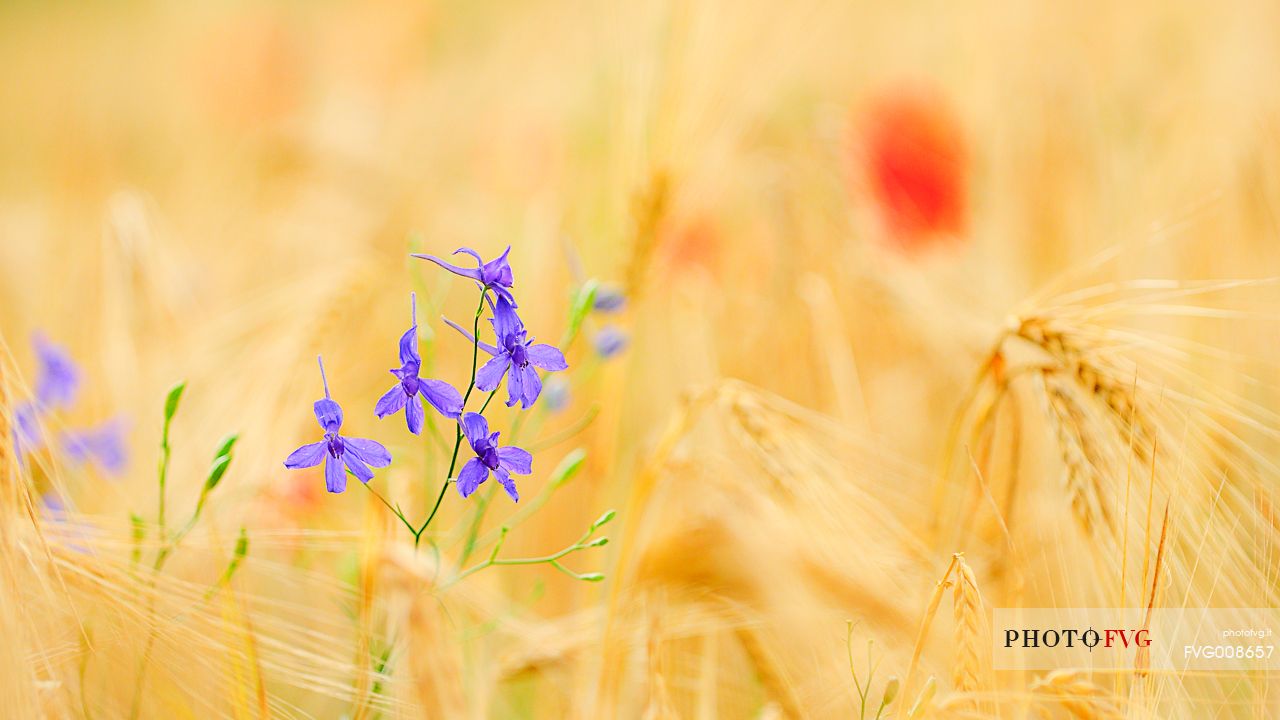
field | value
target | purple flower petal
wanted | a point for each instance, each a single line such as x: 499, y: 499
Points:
x: 472, y: 338
x: 610, y: 341
x: 555, y: 395
x: 494, y: 275
x: 409, y: 347
x: 59, y: 378
x: 506, y: 322
x: 515, y: 387
x: 391, y: 402
x: 473, y: 473
x: 547, y: 357
x: 498, y: 271
x: 474, y: 274
x: 53, y: 505
x: 370, y: 452
x: 357, y: 466
x: 413, y: 414
x: 306, y: 456
x: 507, y: 483
x: 475, y: 427
x: 26, y: 429
x: 531, y: 386
x: 443, y: 397
x: 504, y: 294
x: 490, y: 374
x: 516, y: 460
x: 329, y: 414
x: 609, y: 300
x: 472, y: 253
x: 335, y: 480
x: 104, y: 445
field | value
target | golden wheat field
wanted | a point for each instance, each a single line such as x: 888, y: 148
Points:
x: 878, y: 318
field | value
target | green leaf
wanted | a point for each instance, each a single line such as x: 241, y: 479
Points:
x: 225, y: 447
x: 591, y: 577
x: 242, y: 544
x: 171, y: 402
x: 583, y: 300
x: 605, y: 518
x: 598, y: 542
x: 221, y: 459
x: 568, y: 467
x: 216, y: 472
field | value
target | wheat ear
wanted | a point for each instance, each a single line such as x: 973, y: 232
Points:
x: 969, y: 616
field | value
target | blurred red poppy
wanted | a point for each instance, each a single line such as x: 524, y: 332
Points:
x: 914, y: 162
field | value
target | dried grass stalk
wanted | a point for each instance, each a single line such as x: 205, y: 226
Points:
x: 967, y: 675
x: 1077, y: 695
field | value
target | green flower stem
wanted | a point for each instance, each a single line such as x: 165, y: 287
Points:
x: 394, y: 510
x: 457, y: 441
x: 170, y: 408
x: 553, y: 559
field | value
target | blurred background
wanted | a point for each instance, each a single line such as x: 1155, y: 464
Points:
x: 825, y: 219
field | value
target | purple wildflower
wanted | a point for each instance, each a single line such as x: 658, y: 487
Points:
x: 59, y: 377
x: 516, y: 352
x: 104, y: 445
x: 356, y: 453
x: 52, y: 506
x: 494, y: 275
x: 61, y: 525
x: 609, y: 299
x: 609, y: 341
x: 556, y: 393
x: 26, y: 429
x: 501, y: 461
x: 405, y: 393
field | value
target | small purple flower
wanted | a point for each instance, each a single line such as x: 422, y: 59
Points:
x: 62, y: 526
x: 516, y: 352
x: 26, y: 429
x: 52, y: 506
x: 59, y: 377
x: 356, y: 453
x: 501, y: 461
x: 556, y: 393
x: 495, y: 275
x: 404, y: 394
x: 104, y: 445
x: 609, y: 299
x: 609, y: 341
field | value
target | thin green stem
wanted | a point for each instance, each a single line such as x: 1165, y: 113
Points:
x: 439, y: 499
x: 552, y: 559
x: 165, y: 452
x: 475, y: 348
x: 394, y: 510
x: 457, y: 440
x: 853, y: 670
x: 242, y: 549
x: 473, y: 528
